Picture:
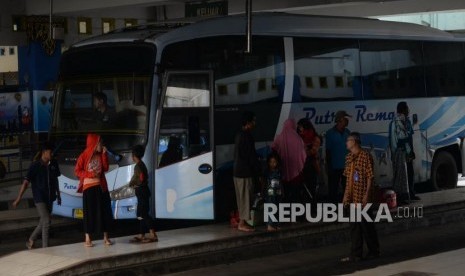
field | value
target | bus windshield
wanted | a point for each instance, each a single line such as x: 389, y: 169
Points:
x: 110, y: 100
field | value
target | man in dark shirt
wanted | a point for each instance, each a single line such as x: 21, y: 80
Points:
x: 246, y: 167
x: 43, y: 176
x: 104, y: 115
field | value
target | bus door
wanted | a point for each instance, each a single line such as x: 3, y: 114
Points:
x: 184, y: 142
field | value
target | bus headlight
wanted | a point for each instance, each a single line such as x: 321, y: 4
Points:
x: 122, y: 193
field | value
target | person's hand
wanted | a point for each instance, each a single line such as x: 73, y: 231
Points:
x: 15, y: 203
x: 364, y: 201
x: 411, y: 156
x: 59, y: 200
x: 104, y: 149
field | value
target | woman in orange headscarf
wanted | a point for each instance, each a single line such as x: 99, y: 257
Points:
x: 90, y: 168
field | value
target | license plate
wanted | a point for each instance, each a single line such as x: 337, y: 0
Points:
x: 78, y: 213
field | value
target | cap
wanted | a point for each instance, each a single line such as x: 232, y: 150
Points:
x: 341, y: 114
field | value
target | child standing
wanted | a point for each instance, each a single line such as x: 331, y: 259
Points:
x: 139, y: 182
x: 273, y: 189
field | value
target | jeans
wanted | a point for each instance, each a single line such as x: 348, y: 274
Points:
x: 44, y: 223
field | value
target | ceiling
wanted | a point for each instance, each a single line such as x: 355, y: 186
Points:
x: 327, y: 7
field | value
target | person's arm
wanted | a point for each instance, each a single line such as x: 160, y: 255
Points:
x: 392, y: 138
x: 57, y: 188
x: 105, y: 165
x: 135, y: 179
x: 328, y: 152
x: 58, y: 195
x: 21, y: 193
x: 370, y: 180
x: 348, y: 190
x: 368, y: 192
x: 80, y: 170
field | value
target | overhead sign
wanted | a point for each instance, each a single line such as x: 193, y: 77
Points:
x: 206, y: 8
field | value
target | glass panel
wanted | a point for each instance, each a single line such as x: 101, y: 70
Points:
x: 445, y: 70
x: 240, y: 78
x: 326, y: 69
x: 185, y: 122
x: 82, y: 27
x: 392, y: 69
x: 187, y: 91
x: 106, y: 105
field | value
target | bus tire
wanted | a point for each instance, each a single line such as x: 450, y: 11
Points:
x: 444, y: 173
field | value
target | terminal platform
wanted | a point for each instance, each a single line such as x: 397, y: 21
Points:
x: 195, y: 247
x: 447, y: 263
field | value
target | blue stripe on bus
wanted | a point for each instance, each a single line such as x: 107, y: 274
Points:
x: 204, y: 190
x: 449, y: 140
x: 443, y: 134
x: 438, y: 113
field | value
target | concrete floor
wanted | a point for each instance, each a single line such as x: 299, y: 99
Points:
x: 430, y: 251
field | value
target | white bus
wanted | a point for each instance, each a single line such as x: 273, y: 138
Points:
x: 194, y: 82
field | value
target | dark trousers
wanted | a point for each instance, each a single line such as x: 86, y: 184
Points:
x: 98, y: 216
x: 411, y: 185
x: 293, y: 193
x: 335, y: 178
x: 146, y: 222
x: 360, y: 231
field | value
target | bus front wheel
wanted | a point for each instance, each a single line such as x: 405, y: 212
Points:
x: 444, y: 173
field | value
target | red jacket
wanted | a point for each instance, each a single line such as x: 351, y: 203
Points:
x: 83, y: 161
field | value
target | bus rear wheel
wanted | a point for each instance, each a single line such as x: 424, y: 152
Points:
x: 444, y: 173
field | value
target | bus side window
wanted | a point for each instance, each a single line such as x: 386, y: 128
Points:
x: 444, y: 68
x: 327, y: 69
x: 392, y: 69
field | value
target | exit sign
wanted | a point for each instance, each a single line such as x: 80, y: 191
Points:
x: 206, y: 8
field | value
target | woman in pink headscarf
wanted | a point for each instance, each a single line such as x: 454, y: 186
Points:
x: 290, y: 147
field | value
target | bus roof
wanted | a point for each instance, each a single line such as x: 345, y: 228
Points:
x: 278, y: 24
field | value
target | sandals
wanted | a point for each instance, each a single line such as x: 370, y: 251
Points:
x: 136, y: 239
x: 148, y: 240
x: 245, y: 228
x: 272, y: 229
x: 108, y: 242
x: 88, y: 244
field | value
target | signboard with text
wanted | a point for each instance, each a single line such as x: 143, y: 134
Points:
x: 206, y: 8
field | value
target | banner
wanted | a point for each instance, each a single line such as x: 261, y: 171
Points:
x: 15, y: 112
x: 42, y: 102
